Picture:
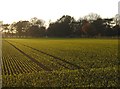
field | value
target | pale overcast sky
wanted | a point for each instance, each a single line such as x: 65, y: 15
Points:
x: 15, y: 10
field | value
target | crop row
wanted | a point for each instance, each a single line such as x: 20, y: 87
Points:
x: 15, y: 63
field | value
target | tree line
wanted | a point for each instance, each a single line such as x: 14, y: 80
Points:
x: 91, y: 25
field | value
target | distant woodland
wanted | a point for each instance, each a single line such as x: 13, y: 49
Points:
x: 91, y: 25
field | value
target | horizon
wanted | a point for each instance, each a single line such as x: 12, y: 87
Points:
x: 17, y: 10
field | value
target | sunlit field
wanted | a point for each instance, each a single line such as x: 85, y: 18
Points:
x: 61, y: 62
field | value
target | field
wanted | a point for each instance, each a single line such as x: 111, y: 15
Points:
x: 60, y: 63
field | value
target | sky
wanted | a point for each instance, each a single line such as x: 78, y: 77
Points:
x: 15, y: 10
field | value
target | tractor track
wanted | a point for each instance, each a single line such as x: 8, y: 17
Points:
x: 57, y: 58
x: 32, y: 59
